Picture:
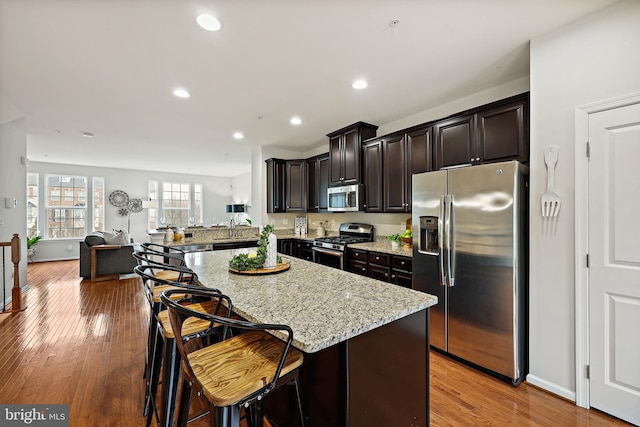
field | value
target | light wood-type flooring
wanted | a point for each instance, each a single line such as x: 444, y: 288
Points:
x: 82, y: 343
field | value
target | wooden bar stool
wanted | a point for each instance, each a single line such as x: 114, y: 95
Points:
x: 153, y: 286
x: 237, y: 372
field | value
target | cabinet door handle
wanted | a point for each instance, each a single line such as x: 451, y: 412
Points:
x: 471, y: 159
x: 401, y: 262
x: 477, y: 159
x: 377, y: 258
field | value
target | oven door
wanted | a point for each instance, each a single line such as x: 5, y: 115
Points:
x: 328, y: 257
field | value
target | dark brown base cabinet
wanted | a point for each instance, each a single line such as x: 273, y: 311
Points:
x: 298, y: 248
x: 390, y: 268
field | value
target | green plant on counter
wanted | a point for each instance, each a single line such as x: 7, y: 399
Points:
x: 32, y: 241
x: 243, y: 262
x: 248, y: 221
x: 394, y: 237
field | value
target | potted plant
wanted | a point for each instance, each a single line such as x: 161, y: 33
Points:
x: 395, y: 240
x: 31, y: 246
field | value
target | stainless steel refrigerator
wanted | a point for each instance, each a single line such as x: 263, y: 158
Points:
x: 470, y: 250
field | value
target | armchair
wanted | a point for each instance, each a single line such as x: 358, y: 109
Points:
x: 102, y: 261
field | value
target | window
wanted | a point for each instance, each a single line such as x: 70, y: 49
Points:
x: 180, y: 204
x: 197, y: 204
x: 98, y: 204
x: 153, y: 212
x: 65, y: 214
x: 32, y: 204
x: 176, y: 200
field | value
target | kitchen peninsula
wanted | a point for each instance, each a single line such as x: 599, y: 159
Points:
x: 365, y: 341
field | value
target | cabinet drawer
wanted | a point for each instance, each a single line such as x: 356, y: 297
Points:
x: 402, y: 263
x: 401, y: 278
x: 379, y: 272
x: 357, y: 267
x: 378, y: 258
x: 358, y: 255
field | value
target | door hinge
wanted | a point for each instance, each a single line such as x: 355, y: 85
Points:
x: 587, y: 260
x: 588, y: 372
x: 588, y: 150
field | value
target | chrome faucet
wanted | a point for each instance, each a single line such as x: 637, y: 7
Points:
x: 232, y: 227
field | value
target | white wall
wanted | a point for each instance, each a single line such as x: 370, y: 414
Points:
x: 217, y: 192
x: 592, y: 59
x: 13, y: 183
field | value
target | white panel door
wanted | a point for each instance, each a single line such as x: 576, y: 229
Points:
x: 614, y: 273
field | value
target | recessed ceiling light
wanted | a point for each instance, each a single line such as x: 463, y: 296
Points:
x: 238, y: 135
x: 87, y: 134
x: 181, y: 93
x: 295, y: 121
x: 208, y: 22
x: 359, y: 84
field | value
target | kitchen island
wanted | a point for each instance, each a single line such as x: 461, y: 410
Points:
x: 365, y: 341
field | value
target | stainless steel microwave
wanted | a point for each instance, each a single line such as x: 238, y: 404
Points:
x: 347, y: 198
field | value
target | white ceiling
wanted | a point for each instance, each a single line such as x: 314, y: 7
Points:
x: 109, y: 66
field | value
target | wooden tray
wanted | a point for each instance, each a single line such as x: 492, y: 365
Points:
x: 279, y: 268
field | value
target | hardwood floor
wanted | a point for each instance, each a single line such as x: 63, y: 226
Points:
x: 82, y: 344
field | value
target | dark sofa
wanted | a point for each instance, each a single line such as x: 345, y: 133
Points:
x: 114, y: 261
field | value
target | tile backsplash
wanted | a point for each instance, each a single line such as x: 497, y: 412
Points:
x: 385, y: 223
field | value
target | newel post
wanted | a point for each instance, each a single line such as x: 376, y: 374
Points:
x: 16, y: 294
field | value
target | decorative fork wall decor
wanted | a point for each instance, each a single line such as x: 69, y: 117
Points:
x: 550, y: 199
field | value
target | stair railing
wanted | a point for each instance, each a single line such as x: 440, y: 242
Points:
x: 16, y: 292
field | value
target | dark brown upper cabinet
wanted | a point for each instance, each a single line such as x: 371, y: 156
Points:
x: 317, y: 183
x: 455, y: 141
x: 396, y: 160
x: 296, y: 186
x: 495, y: 132
x: 503, y: 132
x: 372, y: 176
x: 344, y: 153
x: 276, y: 171
x: 420, y: 142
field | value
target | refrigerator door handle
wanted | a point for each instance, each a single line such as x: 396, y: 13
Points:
x: 443, y: 278
x: 449, y: 232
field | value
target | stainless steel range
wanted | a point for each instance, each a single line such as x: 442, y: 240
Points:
x: 331, y: 250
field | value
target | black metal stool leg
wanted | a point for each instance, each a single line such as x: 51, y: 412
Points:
x: 153, y: 378
x: 185, y: 404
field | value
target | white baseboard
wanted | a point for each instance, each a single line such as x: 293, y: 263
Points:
x: 551, y: 387
x: 55, y: 259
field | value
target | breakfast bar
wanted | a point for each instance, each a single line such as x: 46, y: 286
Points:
x: 365, y: 341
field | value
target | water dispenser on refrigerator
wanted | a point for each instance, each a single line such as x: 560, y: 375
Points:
x: 429, y: 230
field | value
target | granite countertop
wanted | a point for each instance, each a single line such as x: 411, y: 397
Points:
x: 323, y: 305
x: 384, y: 247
